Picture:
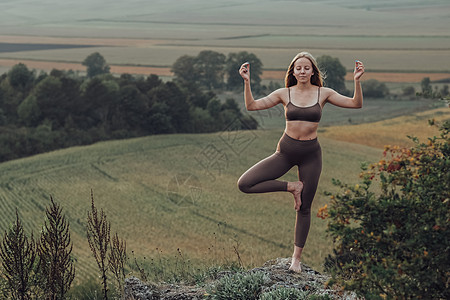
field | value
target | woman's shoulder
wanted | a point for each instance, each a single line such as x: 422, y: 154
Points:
x: 282, y: 94
x: 326, y: 91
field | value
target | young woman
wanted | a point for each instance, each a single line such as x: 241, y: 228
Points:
x: 303, y: 99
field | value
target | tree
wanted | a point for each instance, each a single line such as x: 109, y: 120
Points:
x: 176, y: 102
x: 185, y: 70
x: 393, y: 242
x: 96, y: 65
x: 29, y: 112
x: 210, y: 67
x: 54, y: 250
x: 20, y: 77
x: 133, y: 106
x: 334, y: 73
x: 409, y: 91
x: 234, y: 62
x: 374, y: 89
x: 52, y: 101
x: 444, y: 91
x: 18, y: 254
x: 206, y: 69
x: 427, y: 90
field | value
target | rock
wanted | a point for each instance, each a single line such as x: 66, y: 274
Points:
x: 134, y: 289
x: 276, y: 272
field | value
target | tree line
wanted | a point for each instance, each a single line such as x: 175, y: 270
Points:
x: 43, y: 112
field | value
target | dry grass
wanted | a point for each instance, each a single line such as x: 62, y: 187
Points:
x: 390, y: 132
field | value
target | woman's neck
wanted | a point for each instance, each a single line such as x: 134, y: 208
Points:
x: 304, y: 86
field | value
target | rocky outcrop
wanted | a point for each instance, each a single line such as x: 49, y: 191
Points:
x: 276, y: 274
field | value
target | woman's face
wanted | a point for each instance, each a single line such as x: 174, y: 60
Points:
x: 303, y: 70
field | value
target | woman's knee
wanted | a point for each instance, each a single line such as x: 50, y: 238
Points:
x: 243, y: 185
x: 305, y: 211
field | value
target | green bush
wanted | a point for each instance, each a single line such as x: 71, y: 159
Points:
x: 393, y: 242
x: 237, y: 286
x: 284, y: 294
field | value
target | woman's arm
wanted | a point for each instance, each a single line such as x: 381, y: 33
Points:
x: 263, y: 103
x: 346, y: 102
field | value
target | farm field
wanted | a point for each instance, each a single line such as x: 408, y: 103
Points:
x: 163, y: 193
x: 390, y: 36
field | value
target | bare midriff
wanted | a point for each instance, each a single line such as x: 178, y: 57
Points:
x: 301, y: 130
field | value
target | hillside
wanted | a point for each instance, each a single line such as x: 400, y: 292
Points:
x: 167, y: 192
x: 170, y: 192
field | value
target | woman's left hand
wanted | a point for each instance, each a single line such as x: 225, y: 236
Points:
x: 359, y: 70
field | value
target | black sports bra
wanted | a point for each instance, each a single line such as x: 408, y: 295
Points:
x: 297, y: 113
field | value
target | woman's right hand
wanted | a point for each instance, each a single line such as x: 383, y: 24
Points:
x: 244, y: 71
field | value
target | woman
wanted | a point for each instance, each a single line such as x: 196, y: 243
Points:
x: 303, y: 99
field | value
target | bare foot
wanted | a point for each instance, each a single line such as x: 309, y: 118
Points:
x: 296, y: 189
x: 296, y: 265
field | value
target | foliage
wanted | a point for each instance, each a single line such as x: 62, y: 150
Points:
x: 62, y: 109
x: 234, y: 62
x: 99, y: 239
x: 56, y: 265
x: 117, y: 259
x: 374, y: 89
x: 394, y: 243
x: 18, y: 254
x: 427, y: 89
x: 20, y: 77
x: 284, y: 294
x: 209, y: 69
x: 96, y: 65
x: 334, y: 73
x: 408, y: 91
x: 238, y: 286
x: 98, y: 235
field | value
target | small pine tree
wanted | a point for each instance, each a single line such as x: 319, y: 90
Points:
x: 54, y: 249
x: 18, y: 254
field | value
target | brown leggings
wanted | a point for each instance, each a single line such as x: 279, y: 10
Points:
x: 261, y: 178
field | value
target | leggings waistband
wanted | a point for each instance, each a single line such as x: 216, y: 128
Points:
x: 296, y: 140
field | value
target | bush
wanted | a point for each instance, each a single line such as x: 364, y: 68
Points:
x: 393, y: 243
x: 238, y: 286
x: 374, y: 89
x: 284, y: 294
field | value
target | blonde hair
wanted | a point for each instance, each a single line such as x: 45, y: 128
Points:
x: 316, y: 79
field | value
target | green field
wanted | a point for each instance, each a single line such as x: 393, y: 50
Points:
x: 135, y: 182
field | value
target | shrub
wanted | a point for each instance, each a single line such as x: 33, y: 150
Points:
x: 98, y: 235
x: 18, y: 254
x: 393, y: 243
x: 110, y: 255
x: 374, y: 89
x: 54, y: 250
x: 285, y: 294
x: 238, y: 286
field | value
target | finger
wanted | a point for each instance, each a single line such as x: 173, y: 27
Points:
x: 359, y: 65
x: 246, y: 65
